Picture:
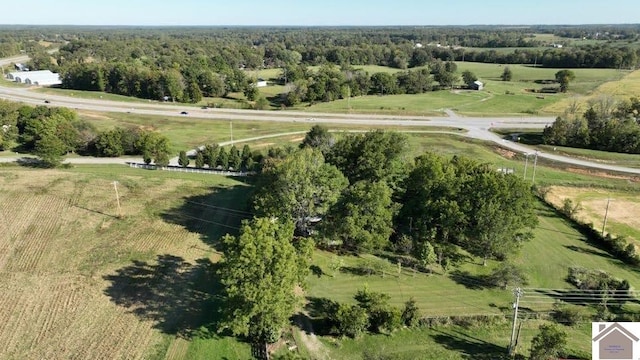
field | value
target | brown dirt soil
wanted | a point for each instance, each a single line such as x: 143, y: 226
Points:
x: 505, y: 153
x: 621, y: 210
x: 69, y: 286
x: 603, y: 174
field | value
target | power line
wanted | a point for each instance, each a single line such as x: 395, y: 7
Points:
x: 210, y: 222
x: 246, y: 213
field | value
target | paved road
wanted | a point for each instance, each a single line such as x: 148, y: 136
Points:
x: 477, y: 127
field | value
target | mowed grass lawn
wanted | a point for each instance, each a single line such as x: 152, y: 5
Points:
x: 497, y: 99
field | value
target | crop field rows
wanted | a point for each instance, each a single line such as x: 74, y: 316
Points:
x: 61, y: 245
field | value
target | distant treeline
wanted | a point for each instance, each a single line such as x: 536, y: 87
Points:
x: 187, y: 63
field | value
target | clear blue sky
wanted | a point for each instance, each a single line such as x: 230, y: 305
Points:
x: 319, y: 12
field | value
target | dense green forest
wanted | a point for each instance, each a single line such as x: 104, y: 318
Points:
x: 186, y: 64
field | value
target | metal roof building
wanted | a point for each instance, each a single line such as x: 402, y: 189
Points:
x: 40, y: 77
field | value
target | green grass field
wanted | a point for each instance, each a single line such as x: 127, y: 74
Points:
x: 498, y: 99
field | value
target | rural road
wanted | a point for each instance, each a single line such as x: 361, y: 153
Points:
x: 477, y: 127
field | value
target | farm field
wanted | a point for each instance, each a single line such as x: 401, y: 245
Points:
x: 79, y: 283
x: 622, y: 216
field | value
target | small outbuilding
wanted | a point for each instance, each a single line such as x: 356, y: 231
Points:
x: 261, y: 82
x: 477, y: 85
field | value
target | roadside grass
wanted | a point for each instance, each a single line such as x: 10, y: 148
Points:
x: 13, y: 84
x: 190, y: 132
x: 93, y: 95
x: 533, y: 138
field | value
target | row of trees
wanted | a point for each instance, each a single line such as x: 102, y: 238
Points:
x: 330, y: 83
x: 368, y: 196
x: 606, y: 125
x: 52, y: 132
x: 370, y: 199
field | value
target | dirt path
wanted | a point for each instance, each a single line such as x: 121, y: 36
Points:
x: 316, y: 349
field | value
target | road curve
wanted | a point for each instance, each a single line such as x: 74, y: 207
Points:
x: 476, y: 127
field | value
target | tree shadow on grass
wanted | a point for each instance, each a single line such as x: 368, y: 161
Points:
x: 318, y: 310
x: 585, y: 250
x: 469, y: 346
x: 470, y: 281
x: 212, y: 215
x: 177, y: 296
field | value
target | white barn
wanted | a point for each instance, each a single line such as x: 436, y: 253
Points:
x: 261, y: 82
x: 40, y: 77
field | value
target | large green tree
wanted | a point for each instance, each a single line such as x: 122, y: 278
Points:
x: 259, y: 270
x: 500, y: 213
x: 564, y: 77
x: 298, y: 187
x: 373, y: 156
x: 318, y: 137
x: 363, y: 217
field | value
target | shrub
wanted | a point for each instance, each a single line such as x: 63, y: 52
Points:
x: 567, y: 315
x: 411, y: 314
x: 507, y: 274
x: 351, y: 320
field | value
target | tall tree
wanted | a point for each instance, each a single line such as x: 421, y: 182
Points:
x: 363, y: 217
x: 319, y: 138
x: 374, y: 156
x: 507, y: 74
x: 259, y: 270
x: 500, y: 213
x: 564, y: 77
x: 298, y: 187
x: 468, y: 77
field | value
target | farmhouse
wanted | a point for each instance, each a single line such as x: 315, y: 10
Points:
x: 261, y: 82
x: 477, y: 85
x: 41, y: 77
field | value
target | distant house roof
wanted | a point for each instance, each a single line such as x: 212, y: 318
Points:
x: 479, y: 83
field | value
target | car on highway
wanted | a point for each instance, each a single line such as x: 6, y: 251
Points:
x: 47, y: 101
x: 184, y: 113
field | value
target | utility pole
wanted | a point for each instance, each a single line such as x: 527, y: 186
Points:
x: 518, y: 293
x: 606, y: 214
x: 115, y: 187
x: 535, y: 165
